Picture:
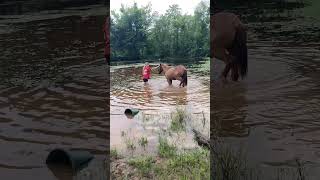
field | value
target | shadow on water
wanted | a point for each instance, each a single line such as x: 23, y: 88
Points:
x: 279, y: 101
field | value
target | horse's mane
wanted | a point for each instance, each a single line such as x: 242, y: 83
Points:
x: 169, y: 65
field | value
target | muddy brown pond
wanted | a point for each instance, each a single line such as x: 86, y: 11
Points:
x: 274, y: 114
x: 52, y: 91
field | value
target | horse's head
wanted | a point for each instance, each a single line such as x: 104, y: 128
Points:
x: 160, y: 69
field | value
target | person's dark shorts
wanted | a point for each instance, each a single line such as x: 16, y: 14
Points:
x: 145, y: 80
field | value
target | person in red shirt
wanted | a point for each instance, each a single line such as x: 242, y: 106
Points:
x: 146, y: 72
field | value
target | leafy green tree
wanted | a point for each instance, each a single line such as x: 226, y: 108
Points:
x: 137, y: 33
x: 129, y: 31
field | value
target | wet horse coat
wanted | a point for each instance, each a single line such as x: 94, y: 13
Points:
x: 174, y: 73
x: 229, y: 44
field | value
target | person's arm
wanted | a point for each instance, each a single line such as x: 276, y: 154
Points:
x: 152, y: 69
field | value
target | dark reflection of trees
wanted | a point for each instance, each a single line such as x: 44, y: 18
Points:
x: 175, y: 94
x: 9, y: 7
x: 147, y: 94
x: 229, y: 110
x: 42, y: 50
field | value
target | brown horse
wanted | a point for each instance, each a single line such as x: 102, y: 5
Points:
x: 174, y: 73
x: 229, y: 44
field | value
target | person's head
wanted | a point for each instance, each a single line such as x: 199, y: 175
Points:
x: 146, y: 64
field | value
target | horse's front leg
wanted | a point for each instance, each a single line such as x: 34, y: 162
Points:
x: 225, y: 72
x: 169, y: 82
x: 224, y: 55
x: 181, y: 84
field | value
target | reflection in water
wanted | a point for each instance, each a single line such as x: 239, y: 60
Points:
x: 279, y: 102
x: 61, y: 172
x: 177, y: 96
x: 230, y: 102
x: 52, y: 90
x: 147, y: 93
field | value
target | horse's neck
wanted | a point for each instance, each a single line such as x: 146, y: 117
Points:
x: 165, y: 68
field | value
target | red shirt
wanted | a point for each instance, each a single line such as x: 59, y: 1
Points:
x: 146, y: 72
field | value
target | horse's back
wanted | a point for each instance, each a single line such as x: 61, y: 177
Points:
x: 224, y: 26
x: 181, y: 67
x: 177, y: 71
x: 225, y: 20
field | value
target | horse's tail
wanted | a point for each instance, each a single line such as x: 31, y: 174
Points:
x: 241, y: 51
x: 185, y: 77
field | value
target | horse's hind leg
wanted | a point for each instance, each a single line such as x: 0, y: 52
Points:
x: 225, y: 56
x: 182, y: 83
x: 234, y: 72
x: 169, y: 82
x: 225, y: 72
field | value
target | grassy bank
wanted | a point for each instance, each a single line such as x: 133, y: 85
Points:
x: 170, y: 162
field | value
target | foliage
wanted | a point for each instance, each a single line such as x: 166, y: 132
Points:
x: 185, y: 165
x: 143, y: 142
x: 143, y: 164
x: 114, y: 153
x: 178, y: 120
x: 166, y: 150
x: 138, y: 33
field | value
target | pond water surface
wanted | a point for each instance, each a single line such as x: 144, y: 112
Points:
x: 52, y: 90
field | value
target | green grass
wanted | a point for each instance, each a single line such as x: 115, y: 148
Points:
x: 193, y: 164
x: 143, y: 142
x: 114, y: 153
x: 144, y: 165
x: 165, y: 150
x: 185, y: 165
x: 203, y: 68
x: 178, y: 120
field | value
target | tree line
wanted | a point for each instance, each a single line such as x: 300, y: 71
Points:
x: 140, y: 33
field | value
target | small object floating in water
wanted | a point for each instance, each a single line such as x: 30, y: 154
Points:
x: 130, y: 113
x: 75, y: 160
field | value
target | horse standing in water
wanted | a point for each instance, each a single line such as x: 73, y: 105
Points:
x: 229, y: 44
x: 174, y: 73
